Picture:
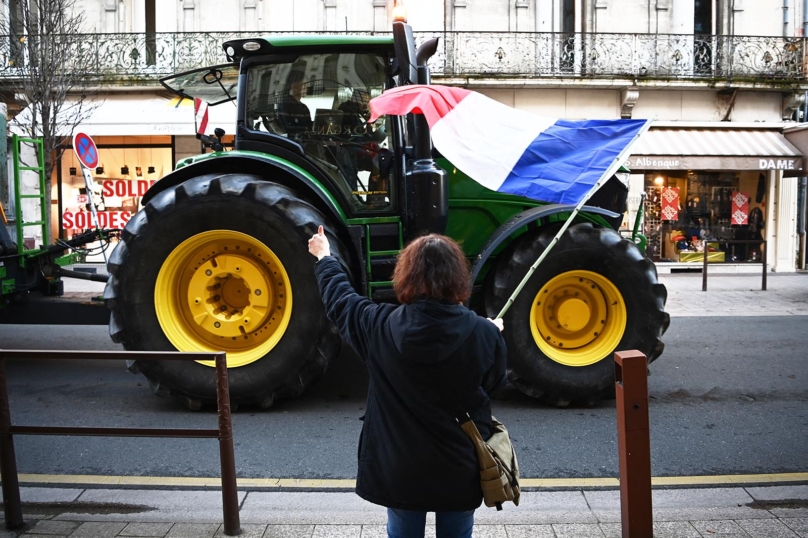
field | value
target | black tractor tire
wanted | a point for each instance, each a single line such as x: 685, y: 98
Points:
x: 268, y: 212
x: 583, y: 247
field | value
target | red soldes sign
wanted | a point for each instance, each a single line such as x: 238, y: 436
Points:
x: 670, y: 203
x: 83, y: 220
x: 125, y: 188
x: 740, y: 208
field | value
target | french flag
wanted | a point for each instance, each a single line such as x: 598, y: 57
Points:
x: 513, y: 151
x: 201, y: 115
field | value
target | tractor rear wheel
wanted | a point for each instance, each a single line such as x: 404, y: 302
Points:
x: 594, y: 294
x: 220, y: 263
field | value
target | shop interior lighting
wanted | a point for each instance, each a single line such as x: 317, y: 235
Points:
x: 659, y: 181
x: 125, y: 167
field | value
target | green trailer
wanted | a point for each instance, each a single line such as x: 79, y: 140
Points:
x: 217, y: 259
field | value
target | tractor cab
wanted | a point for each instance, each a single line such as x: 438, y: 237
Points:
x: 312, y: 104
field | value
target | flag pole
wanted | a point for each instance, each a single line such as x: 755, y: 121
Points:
x: 614, y: 167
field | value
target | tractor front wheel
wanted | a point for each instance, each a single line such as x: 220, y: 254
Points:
x: 220, y: 263
x: 594, y: 294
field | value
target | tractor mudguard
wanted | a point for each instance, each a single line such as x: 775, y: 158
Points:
x: 285, y: 172
x: 523, y: 219
x: 274, y: 169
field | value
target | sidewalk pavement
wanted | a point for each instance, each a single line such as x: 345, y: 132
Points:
x: 751, y: 512
x: 736, y: 295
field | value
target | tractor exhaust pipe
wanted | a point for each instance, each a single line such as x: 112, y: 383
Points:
x: 427, y: 193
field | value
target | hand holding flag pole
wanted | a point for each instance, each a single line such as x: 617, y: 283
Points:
x: 512, y: 151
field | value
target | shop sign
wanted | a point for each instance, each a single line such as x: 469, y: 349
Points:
x: 711, y: 162
x: 125, y: 188
x: 778, y: 164
x: 670, y: 203
x: 658, y: 163
x: 740, y: 208
x: 82, y: 220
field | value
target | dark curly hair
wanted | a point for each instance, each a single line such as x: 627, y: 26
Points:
x: 432, y: 267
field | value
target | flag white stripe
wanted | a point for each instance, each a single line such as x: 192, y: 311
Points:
x: 479, y: 122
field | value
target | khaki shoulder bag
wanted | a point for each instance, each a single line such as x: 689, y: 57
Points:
x: 499, y: 469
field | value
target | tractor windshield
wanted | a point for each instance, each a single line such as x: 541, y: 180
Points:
x: 321, y: 101
x: 217, y: 84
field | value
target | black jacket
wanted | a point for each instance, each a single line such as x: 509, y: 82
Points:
x: 428, y: 363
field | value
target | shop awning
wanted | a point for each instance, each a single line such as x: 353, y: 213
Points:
x: 138, y: 115
x: 684, y: 148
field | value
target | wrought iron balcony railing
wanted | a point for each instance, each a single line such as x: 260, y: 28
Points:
x: 146, y: 57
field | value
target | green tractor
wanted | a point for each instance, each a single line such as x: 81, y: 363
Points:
x: 218, y: 260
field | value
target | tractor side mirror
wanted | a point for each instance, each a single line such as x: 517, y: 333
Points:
x: 404, y: 45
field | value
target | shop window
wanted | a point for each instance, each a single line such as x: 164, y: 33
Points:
x: 688, y: 212
x: 125, y: 172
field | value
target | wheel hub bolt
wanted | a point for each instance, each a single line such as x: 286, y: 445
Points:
x: 217, y: 324
x: 258, y: 292
x: 208, y: 272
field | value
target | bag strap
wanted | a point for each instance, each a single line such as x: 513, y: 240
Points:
x: 484, y: 457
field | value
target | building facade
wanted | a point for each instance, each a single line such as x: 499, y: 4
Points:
x: 724, y: 81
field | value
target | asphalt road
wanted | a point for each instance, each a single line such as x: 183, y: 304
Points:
x: 729, y: 396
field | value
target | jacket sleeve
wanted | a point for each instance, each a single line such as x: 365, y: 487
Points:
x: 350, y: 312
x: 495, y: 379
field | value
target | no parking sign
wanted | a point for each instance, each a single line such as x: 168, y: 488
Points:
x: 86, y: 151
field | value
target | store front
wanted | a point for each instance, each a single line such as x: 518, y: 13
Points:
x: 140, y: 137
x: 710, y: 188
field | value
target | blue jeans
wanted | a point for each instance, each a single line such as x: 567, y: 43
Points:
x: 410, y: 524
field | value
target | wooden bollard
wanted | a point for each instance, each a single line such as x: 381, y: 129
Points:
x: 633, y: 443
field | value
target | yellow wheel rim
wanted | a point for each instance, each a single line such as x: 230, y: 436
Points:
x: 223, y: 291
x: 578, y: 318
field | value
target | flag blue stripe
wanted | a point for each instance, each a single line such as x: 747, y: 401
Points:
x: 565, y: 161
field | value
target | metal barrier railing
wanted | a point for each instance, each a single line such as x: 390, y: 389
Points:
x: 224, y: 433
x: 763, y: 252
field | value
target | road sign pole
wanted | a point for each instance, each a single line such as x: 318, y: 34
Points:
x: 87, y: 154
x: 88, y: 184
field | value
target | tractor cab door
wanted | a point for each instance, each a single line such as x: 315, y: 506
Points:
x: 320, y: 101
x: 215, y: 85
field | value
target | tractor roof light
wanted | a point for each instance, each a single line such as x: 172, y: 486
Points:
x: 399, y: 13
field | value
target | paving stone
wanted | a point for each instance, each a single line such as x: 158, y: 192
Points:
x: 799, y: 524
x: 613, y: 530
x: 193, y: 530
x: 374, y: 531
x: 48, y: 526
x: 247, y: 531
x: 8, y: 534
x: 96, y: 529
x: 337, y: 531
x: 146, y: 529
x: 49, y: 495
x: 289, y: 531
x: 675, y: 529
x: 719, y: 527
x: 530, y: 531
x: 578, y: 530
x: 778, y: 493
x: 490, y: 531
x: 766, y: 528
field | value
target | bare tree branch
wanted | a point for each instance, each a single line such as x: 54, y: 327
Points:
x: 53, y: 67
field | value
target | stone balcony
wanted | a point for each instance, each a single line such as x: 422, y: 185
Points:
x: 479, y: 58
